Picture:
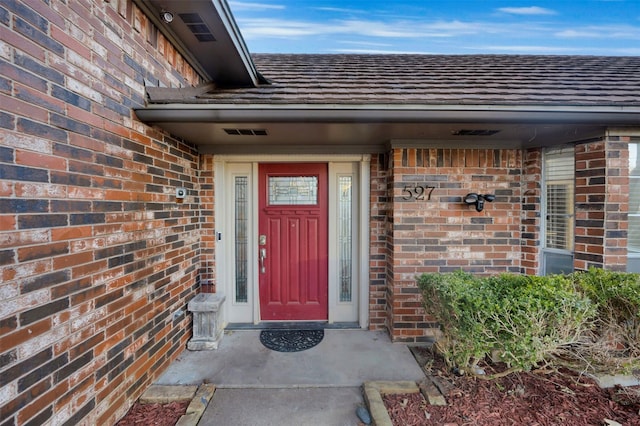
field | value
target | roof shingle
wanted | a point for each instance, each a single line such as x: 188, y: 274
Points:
x: 439, y: 80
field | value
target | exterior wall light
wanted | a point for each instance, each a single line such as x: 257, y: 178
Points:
x: 478, y: 199
x: 167, y: 17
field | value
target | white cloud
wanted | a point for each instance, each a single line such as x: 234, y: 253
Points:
x: 279, y: 28
x: 240, y: 5
x: 257, y: 28
x: 364, y: 43
x: 532, y: 10
x: 338, y: 10
x: 380, y: 52
x: 602, y: 32
x: 527, y: 49
x: 558, y: 50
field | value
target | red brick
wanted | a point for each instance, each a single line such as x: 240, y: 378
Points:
x: 31, y: 410
x: 40, y: 160
x: 21, y: 43
x: 12, y: 340
x: 23, y: 108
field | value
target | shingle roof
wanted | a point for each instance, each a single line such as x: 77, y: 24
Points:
x: 438, y: 80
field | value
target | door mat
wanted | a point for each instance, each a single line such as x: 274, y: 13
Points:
x: 290, y: 340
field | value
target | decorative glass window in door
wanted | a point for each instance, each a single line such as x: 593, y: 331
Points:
x: 293, y: 190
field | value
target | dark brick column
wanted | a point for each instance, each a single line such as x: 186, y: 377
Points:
x: 602, y: 202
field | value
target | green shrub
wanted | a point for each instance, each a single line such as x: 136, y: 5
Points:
x: 523, y: 319
x: 616, y: 336
x: 617, y: 294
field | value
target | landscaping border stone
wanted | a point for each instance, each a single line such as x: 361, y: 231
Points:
x: 200, y: 397
x: 373, y: 392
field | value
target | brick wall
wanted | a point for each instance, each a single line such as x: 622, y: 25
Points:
x: 379, y: 205
x: 602, y: 203
x: 442, y: 234
x: 96, y: 255
x: 531, y: 208
x: 207, y: 226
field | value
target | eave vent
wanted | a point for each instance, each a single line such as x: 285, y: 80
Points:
x: 246, y: 132
x: 197, y: 26
x: 474, y: 132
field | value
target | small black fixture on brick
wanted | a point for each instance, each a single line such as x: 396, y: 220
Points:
x: 478, y: 199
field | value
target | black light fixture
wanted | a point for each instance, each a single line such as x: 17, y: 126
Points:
x: 478, y: 199
x: 166, y: 16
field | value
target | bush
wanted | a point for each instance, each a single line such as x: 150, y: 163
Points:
x: 616, y: 335
x: 522, y: 319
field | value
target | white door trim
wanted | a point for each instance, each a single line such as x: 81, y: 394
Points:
x: 224, y: 168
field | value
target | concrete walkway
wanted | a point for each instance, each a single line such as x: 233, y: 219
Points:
x: 319, y: 386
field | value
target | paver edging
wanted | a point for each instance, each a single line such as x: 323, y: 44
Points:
x: 200, y: 397
x: 373, y: 392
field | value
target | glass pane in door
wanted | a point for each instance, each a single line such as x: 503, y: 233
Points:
x: 293, y: 190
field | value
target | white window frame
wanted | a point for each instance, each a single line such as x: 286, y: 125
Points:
x: 565, y: 153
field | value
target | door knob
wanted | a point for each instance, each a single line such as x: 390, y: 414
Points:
x: 263, y: 256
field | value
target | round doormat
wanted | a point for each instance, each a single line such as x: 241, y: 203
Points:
x: 291, y: 340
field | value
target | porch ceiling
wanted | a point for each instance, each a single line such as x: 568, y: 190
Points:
x: 336, y: 129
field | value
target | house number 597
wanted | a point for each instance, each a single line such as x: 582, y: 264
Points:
x: 418, y: 192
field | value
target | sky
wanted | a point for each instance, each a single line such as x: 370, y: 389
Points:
x: 554, y: 27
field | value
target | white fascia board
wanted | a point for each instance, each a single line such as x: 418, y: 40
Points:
x: 232, y: 29
x: 610, y: 115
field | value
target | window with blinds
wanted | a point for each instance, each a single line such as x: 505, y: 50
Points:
x: 633, y: 233
x: 559, y: 183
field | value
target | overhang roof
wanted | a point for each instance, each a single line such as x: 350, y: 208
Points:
x: 364, y: 103
x: 434, y: 80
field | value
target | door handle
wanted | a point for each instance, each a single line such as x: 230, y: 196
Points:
x: 263, y: 256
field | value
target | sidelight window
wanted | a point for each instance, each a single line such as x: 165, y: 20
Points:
x: 345, y: 238
x: 241, y: 238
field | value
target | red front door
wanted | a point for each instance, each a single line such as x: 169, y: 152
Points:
x: 292, y: 243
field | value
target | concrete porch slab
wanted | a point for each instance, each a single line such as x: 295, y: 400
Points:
x: 344, y: 358
x: 284, y: 407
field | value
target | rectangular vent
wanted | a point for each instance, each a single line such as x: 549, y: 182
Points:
x: 197, y: 26
x: 190, y: 18
x: 246, y: 132
x: 474, y: 132
x: 205, y: 37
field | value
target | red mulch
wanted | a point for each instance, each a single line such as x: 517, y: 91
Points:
x: 154, y: 414
x: 556, y: 398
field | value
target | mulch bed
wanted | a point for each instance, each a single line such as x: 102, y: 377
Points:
x: 154, y: 414
x: 558, y: 397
